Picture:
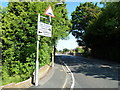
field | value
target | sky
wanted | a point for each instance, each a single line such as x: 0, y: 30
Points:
x: 4, y: 4
x: 71, y: 42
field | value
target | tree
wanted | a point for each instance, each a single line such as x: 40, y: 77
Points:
x: 19, y: 27
x: 103, y: 34
x: 81, y: 17
x: 103, y: 2
x: 65, y: 50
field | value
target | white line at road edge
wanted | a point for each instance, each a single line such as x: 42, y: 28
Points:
x: 73, y: 79
x: 66, y: 79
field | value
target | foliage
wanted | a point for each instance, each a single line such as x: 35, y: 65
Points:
x: 81, y: 17
x: 60, y: 51
x: 19, y: 26
x: 65, y: 50
x: 79, y: 50
x: 103, y: 34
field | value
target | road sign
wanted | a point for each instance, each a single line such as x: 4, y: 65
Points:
x: 49, y: 12
x: 44, y: 29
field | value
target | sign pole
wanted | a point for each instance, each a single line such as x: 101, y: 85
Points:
x: 50, y: 13
x: 49, y: 19
x: 53, y: 47
x: 53, y: 57
x: 37, y: 61
x: 41, y: 31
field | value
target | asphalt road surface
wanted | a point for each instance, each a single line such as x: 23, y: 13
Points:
x: 92, y: 73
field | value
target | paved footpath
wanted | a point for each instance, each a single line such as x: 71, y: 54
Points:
x: 55, y: 78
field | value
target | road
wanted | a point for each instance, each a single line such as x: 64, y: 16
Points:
x: 92, y: 73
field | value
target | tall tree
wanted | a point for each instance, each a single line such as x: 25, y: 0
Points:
x: 103, y: 34
x: 81, y: 17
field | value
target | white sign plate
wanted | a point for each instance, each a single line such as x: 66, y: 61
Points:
x: 44, y: 29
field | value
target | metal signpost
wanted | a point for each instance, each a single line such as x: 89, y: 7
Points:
x: 44, y: 30
x: 37, y: 62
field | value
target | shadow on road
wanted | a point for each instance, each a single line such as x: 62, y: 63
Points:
x: 91, y: 67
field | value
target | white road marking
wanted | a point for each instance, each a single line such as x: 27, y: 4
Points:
x: 73, y: 79
x: 66, y: 79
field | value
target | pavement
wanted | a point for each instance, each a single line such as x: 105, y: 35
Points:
x: 55, y: 78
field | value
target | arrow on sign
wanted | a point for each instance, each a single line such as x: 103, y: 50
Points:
x: 49, y: 12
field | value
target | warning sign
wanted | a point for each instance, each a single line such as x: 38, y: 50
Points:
x: 49, y: 12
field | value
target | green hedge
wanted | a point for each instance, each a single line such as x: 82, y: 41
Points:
x: 19, y: 32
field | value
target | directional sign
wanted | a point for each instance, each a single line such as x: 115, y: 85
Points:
x: 49, y: 12
x: 44, y: 29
